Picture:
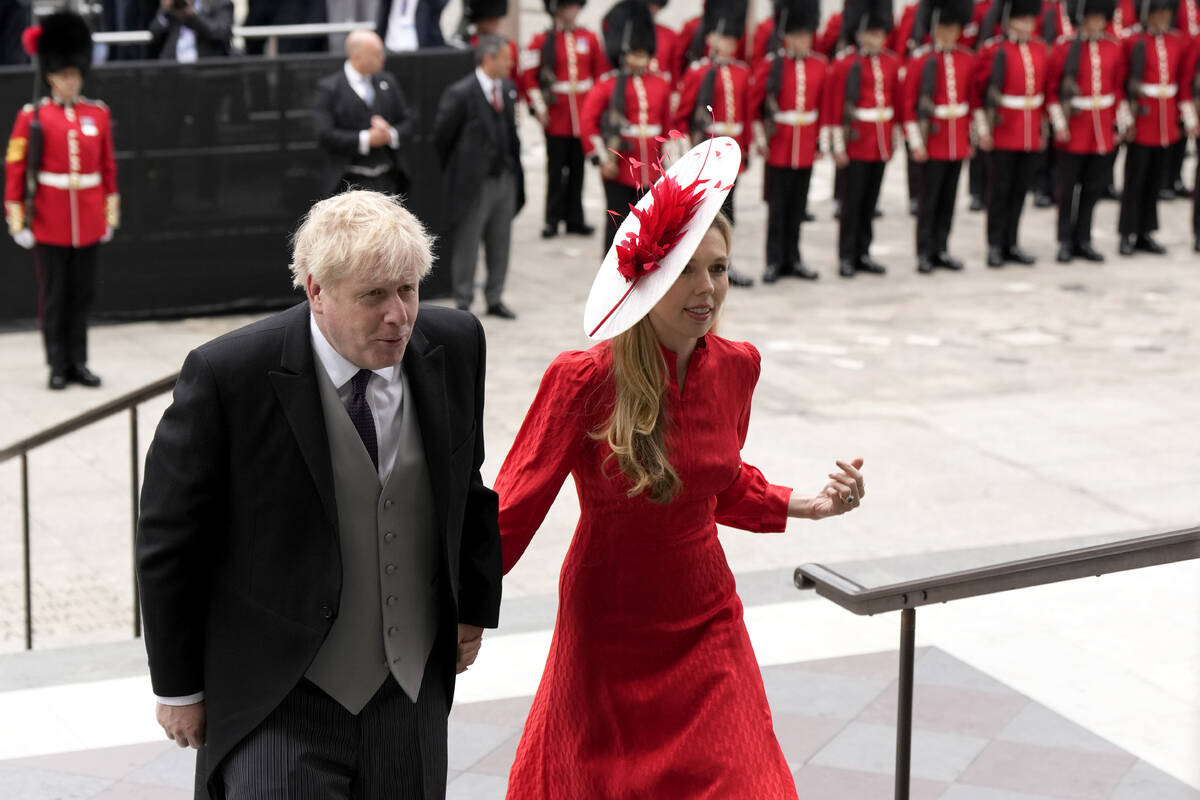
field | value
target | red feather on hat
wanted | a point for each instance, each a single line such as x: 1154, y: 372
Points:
x: 29, y: 40
x: 663, y: 223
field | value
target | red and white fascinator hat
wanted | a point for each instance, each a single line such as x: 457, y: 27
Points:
x: 659, y: 237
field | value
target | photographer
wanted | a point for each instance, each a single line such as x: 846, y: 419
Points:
x: 187, y: 30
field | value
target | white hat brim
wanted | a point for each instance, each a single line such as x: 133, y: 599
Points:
x: 715, y: 161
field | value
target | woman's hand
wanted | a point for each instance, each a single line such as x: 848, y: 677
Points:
x: 843, y: 493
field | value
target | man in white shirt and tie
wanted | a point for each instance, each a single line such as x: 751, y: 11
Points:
x: 361, y: 121
x: 189, y: 30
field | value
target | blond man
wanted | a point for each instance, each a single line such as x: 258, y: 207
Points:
x: 317, y: 552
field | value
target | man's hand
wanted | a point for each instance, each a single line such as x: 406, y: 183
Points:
x: 470, y: 638
x: 543, y: 119
x: 24, y: 238
x: 108, y: 234
x: 841, y: 159
x: 920, y: 155
x: 379, y: 137
x: 610, y: 170
x: 986, y: 143
x: 1063, y: 135
x: 184, y: 725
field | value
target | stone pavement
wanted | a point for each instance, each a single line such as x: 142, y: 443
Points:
x: 974, y: 739
x: 1023, y: 408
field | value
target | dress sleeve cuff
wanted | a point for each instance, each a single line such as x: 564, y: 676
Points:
x: 16, y: 216
x: 112, y: 210
x: 364, y: 143
x: 1058, y: 117
x: 839, y: 140
x: 395, y: 142
x: 824, y: 139
x: 186, y: 700
x: 912, y: 132
x: 982, y: 128
x: 1187, y: 110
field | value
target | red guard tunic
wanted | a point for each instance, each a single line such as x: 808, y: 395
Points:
x: 1019, y: 109
x: 1124, y: 22
x: 76, y: 197
x: 971, y: 33
x: 879, y: 95
x: 1156, y: 110
x: 902, y: 32
x: 948, y: 136
x: 1187, y: 21
x: 647, y: 111
x: 687, y: 33
x: 797, y: 121
x: 826, y: 42
x: 1091, y: 115
x: 1056, y: 21
x: 730, y: 102
x: 651, y: 688
x: 666, y: 42
x: 762, y: 40
x: 579, y: 62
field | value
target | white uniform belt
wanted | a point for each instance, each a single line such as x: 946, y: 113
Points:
x: 726, y: 128
x: 565, y: 87
x: 1093, y: 102
x: 1159, y: 89
x: 59, y: 180
x: 884, y: 114
x: 951, y: 111
x: 795, y: 117
x: 1021, y: 102
x: 640, y: 131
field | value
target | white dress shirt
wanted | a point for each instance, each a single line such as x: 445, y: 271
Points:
x: 402, y: 26
x: 489, y: 85
x: 385, y: 393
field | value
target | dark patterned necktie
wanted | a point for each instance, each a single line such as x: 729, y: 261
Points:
x: 360, y: 413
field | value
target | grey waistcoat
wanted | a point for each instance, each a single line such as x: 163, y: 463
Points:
x: 387, y: 617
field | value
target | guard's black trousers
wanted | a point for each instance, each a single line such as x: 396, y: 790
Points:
x: 564, y: 181
x: 1139, y: 196
x: 618, y: 198
x: 66, y: 286
x: 977, y: 176
x: 935, y: 205
x: 1081, y: 179
x: 786, y: 192
x: 861, y: 181
x: 1010, y: 173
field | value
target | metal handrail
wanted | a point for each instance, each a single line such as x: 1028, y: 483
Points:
x: 126, y: 402
x: 246, y: 32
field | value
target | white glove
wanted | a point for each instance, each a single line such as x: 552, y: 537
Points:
x: 24, y: 238
x: 108, y: 234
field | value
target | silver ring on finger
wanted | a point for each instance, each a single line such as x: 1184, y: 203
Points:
x: 850, y: 499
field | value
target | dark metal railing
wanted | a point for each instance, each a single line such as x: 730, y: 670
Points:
x: 126, y: 402
x: 1163, y: 547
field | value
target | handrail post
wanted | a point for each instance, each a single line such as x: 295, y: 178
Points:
x: 904, y: 701
x: 133, y: 514
x: 25, y: 550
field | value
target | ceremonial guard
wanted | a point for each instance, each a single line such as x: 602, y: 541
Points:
x: 693, y: 41
x: 785, y: 98
x: 558, y: 69
x: 937, y: 124
x: 983, y: 26
x: 1155, y: 56
x: 767, y: 38
x: 1085, y: 89
x: 910, y: 34
x: 1187, y: 22
x: 1008, y: 99
x: 666, y: 43
x: 1191, y: 86
x: 861, y: 96
x: 60, y: 195
x: 625, y: 116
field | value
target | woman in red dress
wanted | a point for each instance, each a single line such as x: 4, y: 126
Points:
x: 651, y: 689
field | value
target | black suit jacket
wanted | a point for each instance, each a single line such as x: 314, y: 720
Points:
x: 339, y: 114
x: 237, y: 549
x: 212, y: 24
x: 466, y: 140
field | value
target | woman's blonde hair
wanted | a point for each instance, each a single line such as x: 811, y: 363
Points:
x: 361, y: 234
x: 637, y: 429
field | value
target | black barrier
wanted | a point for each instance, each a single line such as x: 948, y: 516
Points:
x: 217, y: 162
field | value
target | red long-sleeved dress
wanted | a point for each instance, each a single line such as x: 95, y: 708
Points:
x: 651, y: 688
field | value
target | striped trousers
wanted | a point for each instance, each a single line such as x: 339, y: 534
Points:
x: 311, y: 748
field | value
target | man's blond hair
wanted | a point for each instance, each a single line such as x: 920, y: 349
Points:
x: 361, y: 234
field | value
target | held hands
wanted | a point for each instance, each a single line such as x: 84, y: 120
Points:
x: 470, y: 637
x: 380, y: 134
x: 24, y: 238
x: 843, y: 493
x: 184, y: 725
x: 920, y: 155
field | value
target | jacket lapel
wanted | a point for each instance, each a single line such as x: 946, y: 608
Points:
x: 295, y: 384
x: 424, y: 364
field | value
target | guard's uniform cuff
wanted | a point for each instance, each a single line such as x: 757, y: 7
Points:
x: 1124, y: 117
x: 15, y: 214
x: 1187, y: 110
x: 538, y: 102
x: 982, y: 128
x: 912, y: 132
x: 1058, y: 117
x: 112, y: 210
x: 824, y: 139
x: 599, y: 150
x: 839, y: 140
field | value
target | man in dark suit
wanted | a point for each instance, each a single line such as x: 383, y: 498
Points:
x: 410, y: 24
x: 317, y: 553
x: 361, y: 121
x: 475, y: 134
x: 188, y: 30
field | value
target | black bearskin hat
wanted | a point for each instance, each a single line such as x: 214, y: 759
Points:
x: 866, y: 15
x: 953, y: 12
x: 1151, y: 6
x: 1025, y: 8
x: 552, y: 5
x: 797, y: 15
x: 476, y: 10
x: 65, y: 41
x: 1082, y: 8
x: 726, y: 16
x: 628, y: 26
